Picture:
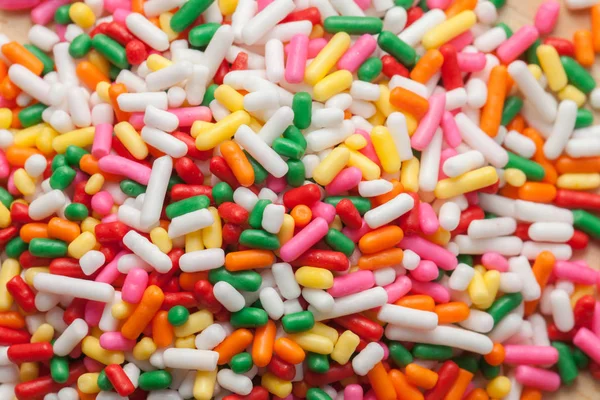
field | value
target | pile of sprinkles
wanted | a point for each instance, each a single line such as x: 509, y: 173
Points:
x: 289, y: 199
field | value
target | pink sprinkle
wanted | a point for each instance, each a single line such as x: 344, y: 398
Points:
x: 276, y: 184
x: 443, y: 4
x: 369, y: 149
x: 314, y: 47
x: 471, y: 62
x: 495, y: 261
x: 304, y: 240
x: 430, y: 122
x: 10, y: 185
x: 398, y: 289
x: 356, y: 234
x: 345, y: 180
x: 596, y: 319
x: 44, y: 13
x: 517, y: 44
x: 357, y: 53
x: 120, y: 15
x: 134, y: 285
x: 4, y: 166
x: 18, y: 4
x: 462, y: 40
x: 60, y: 31
x: 186, y: 115
x: 575, y: 273
x: 353, y: 392
x: 109, y: 272
x: 125, y: 167
x: 386, y: 351
x: 354, y: 282
x: 112, y: 5
x: 296, y: 60
x: 102, y: 202
x: 450, y: 130
x: 446, y: 154
x: 93, y: 312
x: 116, y: 341
x: 536, y: 355
x: 262, y: 4
x: 102, y: 140
x: 537, y: 378
x: 429, y: 251
x: 79, y: 177
x: 428, y: 221
x: 426, y: 271
x: 370, y: 395
x: 92, y: 365
x: 438, y: 292
x: 546, y: 16
x: 588, y: 343
x: 363, y: 4
x: 110, y: 218
x: 323, y: 210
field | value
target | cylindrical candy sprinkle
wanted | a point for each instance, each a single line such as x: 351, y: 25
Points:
x: 225, y: 198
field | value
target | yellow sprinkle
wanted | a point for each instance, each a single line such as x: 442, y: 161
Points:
x: 43, y: 333
x: 356, y: 142
x: 164, y: 20
x: 5, y: 118
x: 222, y: 130
x: 467, y: 182
x: 570, y: 92
x: 316, y: 278
x: 88, y: 383
x: 588, y: 181
x: 23, y: 182
x: 82, y: 15
x: 331, y: 165
x: 193, y: 241
x: 409, y: 177
x: 144, y: 349
x: 131, y: 139
x: 332, y: 84
x: 212, y: 236
x: 552, y: 67
x: 80, y: 138
x: 230, y: 98
x: 196, y: 322
x: 312, y: 342
x: 90, y: 346
x: 94, y: 184
x: 161, y: 239
x: 81, y: 245
x: 275, y: 385
x: 515, y: 177
x: 156, y: 62
x: 449, y: 29
x: 320, y: 66
x: 345, y: 346
x: 385, y: 149
x: 204, y: 385
x: 499, y: 387
x: 227, y: 7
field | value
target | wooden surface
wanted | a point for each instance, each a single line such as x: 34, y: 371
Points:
x: 515, y: 14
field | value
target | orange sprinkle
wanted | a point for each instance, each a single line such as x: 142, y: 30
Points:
x: 233, y: 344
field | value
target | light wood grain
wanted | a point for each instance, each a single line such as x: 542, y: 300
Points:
x: 515, y: 14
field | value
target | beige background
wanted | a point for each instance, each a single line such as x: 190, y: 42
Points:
x: 515, y: 14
